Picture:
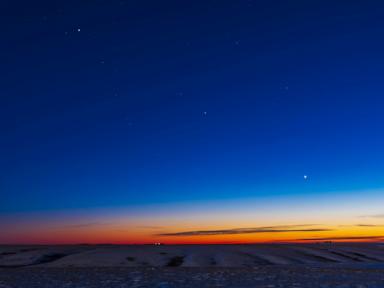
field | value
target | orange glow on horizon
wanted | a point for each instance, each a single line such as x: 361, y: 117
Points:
x: 105, y: 235
x: 209, y: 223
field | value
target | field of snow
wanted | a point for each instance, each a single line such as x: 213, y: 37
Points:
x: 190, y: 255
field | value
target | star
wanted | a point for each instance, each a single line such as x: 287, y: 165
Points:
x: 305, y: 177
x: 78, y: 29
x: 205, y: 113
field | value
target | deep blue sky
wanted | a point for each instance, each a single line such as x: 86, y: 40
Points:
x: 113, y: 103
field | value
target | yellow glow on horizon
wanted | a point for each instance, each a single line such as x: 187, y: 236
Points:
x: 346, y: 218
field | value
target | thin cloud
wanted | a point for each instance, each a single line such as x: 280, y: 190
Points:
x: 373, y: 216
x: 268, y: 229
x: 343, y: 238
x: 149, y: 227
x: 86, y: 225
x: 378, y: 216
x: 361, y: 225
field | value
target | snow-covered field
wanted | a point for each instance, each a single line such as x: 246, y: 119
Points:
x: 190, y: 255
x: 190, y: 266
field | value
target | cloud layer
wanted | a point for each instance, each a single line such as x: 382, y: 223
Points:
x: 268, y: 229
x: 85, y: 225
x: 343, y: 238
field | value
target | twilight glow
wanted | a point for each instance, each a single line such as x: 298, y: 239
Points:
x: 268, y: 219
x: 258, y: 122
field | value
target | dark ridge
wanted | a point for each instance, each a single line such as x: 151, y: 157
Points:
x: 213, y: 262
x: 11, y: 266
x: 365, y: 256
x: 129, y: 258
x: 163, y: 253
x: 175, y: 261
x: 347, y: 256
x: 48, y: 258
x: 294, y: 260
x: 27, y: 249
x: 319, y: 258
x: 257, y: 260
x: 7, y: 253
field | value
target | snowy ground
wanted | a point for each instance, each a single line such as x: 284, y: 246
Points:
x: 312, y: 265
x: 189, y: 255
x: 197, y: 277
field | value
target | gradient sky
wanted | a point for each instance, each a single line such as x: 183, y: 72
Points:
x: 135, y: 121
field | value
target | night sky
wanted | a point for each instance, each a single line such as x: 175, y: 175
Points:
x: 154, y: 118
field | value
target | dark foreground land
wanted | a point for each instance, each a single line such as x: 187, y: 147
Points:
x: 263, y: 276
x: 193, y: 266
